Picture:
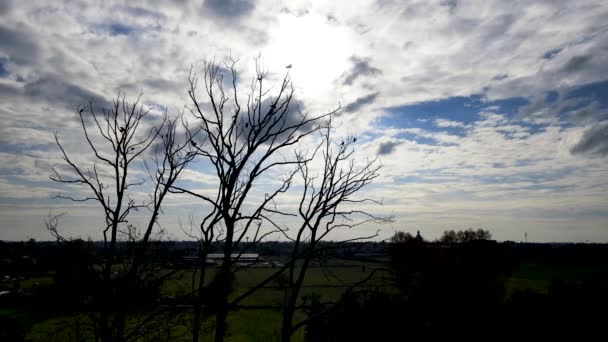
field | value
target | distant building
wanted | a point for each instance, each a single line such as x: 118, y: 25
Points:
x: 243, y: 257
x: 216, y: 258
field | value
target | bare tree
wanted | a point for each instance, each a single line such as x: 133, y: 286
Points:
x: 120, y: 142
x: 327, y: 204
x: 206, y: 241
x: 51, y: 224
x: 243, y: 142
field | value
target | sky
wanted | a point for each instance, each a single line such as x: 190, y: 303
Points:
x: 484, y: 114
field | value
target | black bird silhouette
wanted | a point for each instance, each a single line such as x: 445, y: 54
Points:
x: 354, y: 139
x: 246, y: 125
x: 122, y: 129
x: 192, y: 142
x: 342, y: 143
x: 289, y: 66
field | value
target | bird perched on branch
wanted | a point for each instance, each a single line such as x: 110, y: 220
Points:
x: 288, y: 66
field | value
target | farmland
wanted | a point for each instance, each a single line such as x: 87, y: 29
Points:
x: 37, y: 303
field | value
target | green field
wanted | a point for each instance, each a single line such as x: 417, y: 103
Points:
x: 538, y: 277
x: 329, y: 283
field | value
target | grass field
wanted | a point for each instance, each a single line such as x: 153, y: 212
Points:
x: 328, y: 282
x: 263, y: 324
x: 538, y: 277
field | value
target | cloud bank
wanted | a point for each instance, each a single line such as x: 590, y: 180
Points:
x: 484, y: 113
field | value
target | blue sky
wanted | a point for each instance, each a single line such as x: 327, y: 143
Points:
x: 484, y: 114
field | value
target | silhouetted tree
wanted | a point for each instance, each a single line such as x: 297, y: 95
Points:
x: 242, y: 144
x: 400, y: 237
x: 361, y: 316
x: 405, y: 237
x: 121, y: 138
x: 450, y: 287
x: 449, y: 236
x: 328, y: 203
x: 461, y: 236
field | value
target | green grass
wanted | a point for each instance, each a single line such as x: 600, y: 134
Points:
x: 246, y: 325
x: 332, y: 281
x: 243, y: 325
x: 254, y: 325
x: 264, y: 324
x: 36, y: 281
x: 538, y: 277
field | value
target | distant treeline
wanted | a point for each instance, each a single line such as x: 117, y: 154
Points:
x: 40, y: 255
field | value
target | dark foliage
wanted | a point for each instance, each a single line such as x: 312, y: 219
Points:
x: 360, y: 316
x: 457, y: 292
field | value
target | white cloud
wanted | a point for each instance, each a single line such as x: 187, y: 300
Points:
x: 57, y: 55
x: 448, y: 123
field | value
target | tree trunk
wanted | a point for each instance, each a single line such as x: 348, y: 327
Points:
x: 104, y: 331
x: 222, y: 307
x: 286, y: 326
x: 224, y: 287
x: 293, y: 292
x: 198, y: 302
x: 196, y: 322
x: 220, y: 322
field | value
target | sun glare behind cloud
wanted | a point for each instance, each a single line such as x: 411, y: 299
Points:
x: 315, y: 47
